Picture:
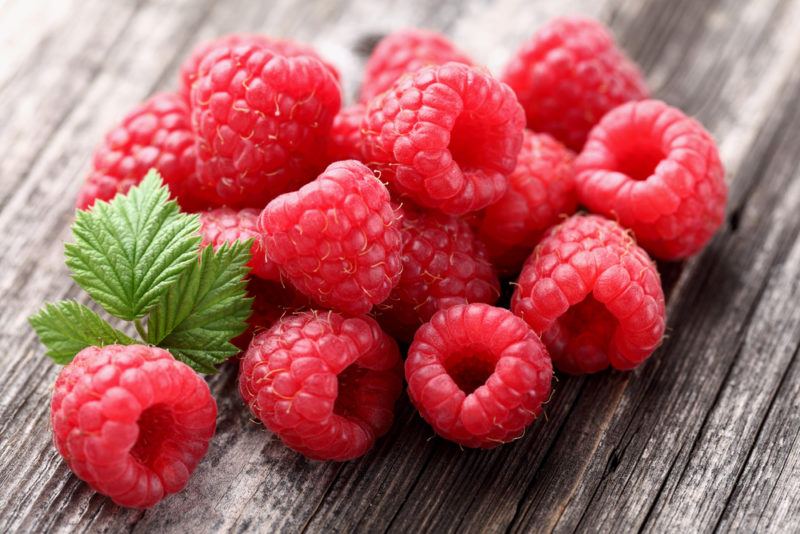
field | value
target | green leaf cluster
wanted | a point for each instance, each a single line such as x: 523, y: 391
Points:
x: 139, y: 257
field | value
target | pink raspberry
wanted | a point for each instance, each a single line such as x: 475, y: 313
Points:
x: 659, y: 173
x: 593, y: 295
x: 447, y: 137
x: 403, y: 52
x: 132, y: 422
x: 541, y: 191
x: 271, y: 302
x: 337, y: 239
x: 261, y: 121
x: 568, y: 75
x: 156, y: 134
x: 325, y: 384
x: 344, y: 141
x: 478, y: 375
x: 284, y: 47
x: 226, y: 225
x: 443, y: 264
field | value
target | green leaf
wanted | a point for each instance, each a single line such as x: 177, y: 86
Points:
x: 67, y: 327
x: 206, y: 308
x: 129, y: 251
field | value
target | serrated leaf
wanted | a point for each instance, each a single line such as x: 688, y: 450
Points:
x: 206, y: 308
x: 128, y: 252
x: 67, y: 327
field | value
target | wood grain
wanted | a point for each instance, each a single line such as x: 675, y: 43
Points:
x: 704, y: 437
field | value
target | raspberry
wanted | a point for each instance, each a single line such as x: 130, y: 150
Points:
x: 325, y: 384
x: 402, y: 52
x: 659, y: 173
x: 344, y: 141
x: 336, y: 239
x: 261, y: 120
x: 478, y: 375
x: 155, y: 134
x: 132, y: 421
x: 223, y: 225
x: 446, y: 136
x: 593, y: 295
x: 443, y: 264
x: 541, y: 190
x: 568, y: 75
x: 271, y: 302
x: 285, y: 47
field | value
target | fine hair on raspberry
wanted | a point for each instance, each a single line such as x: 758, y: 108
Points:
x: 568, y: 75
x: 445, y: 136
x: 444, y: 264
x: 478, y: 374
x: 336, y: 239
x: 155, y: 134
x: 593, y: 295
x: 132, y: 421
x: 659, y: 173
x: 324, y: 383
x: 541, y: 191
x: 226, y: 225
x: 261, y: 120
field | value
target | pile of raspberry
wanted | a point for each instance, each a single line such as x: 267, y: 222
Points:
x: 384, y: 232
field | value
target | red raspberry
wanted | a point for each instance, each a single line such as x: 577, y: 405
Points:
x: 568, y: 75
x: 446, y: 136
x: 658, y: 172
x: 223, y: 225
x: 336, y: 239
x: 156, y: 134
x: 593, y: 295
x: 443, y: 264
x: 541, y: 190
x: 262, y: 121
x: 402, y: 52
x: 132, y: 421
x: 344, y: 141
x: 284, y: 47
x: 478, y: 375
x: 325, y: 384
x: 271, y: 302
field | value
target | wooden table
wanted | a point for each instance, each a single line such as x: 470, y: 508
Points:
x: 704, y: 436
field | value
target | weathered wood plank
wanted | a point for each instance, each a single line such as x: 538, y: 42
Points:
x: 705, y: 435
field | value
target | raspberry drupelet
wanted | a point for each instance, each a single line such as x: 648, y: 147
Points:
x: 659, y: 173
x: 337, y: 239
x: 403, y: 52
x: 344, y: 141
x: 443, y: 264
x: 225, y: 225
x: 132, y: 421
x: 261, y: 120
x: 568, y: 75
x: 446, y: 136
x: 478, y: 375
x: 541, y: 191
x: 156, y: 134
x: 593, y: 295
x: 285, y: 47
x: 325, y: 384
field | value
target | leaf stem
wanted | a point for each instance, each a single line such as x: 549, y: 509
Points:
x: 140, y: 329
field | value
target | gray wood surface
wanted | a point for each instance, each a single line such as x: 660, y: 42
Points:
x: 704, y: 437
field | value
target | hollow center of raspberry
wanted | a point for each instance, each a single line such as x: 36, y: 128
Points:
x: 470, y: 368
x: 582, y: 336
x: 639, y: 160
x: 349, y: 380
x: 467, y: 140
x: 156, y: 425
